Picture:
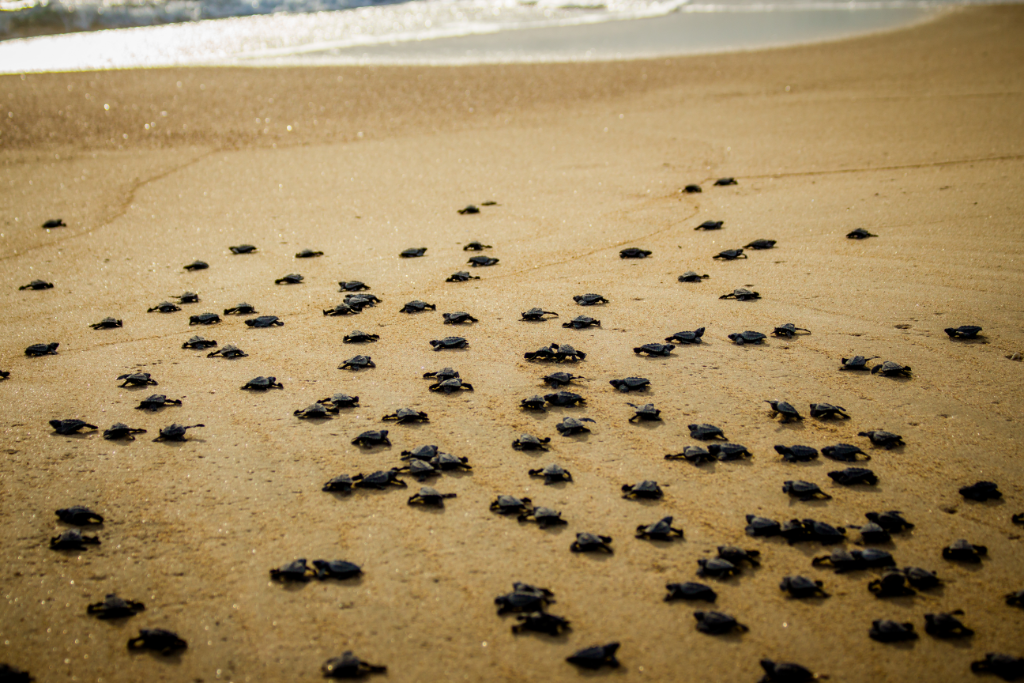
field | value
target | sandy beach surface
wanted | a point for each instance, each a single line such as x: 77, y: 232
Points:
x: 915, y: 135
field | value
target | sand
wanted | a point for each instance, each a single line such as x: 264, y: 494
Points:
x: 914, y: 135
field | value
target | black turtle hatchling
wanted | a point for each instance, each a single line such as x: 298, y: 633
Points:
x: 725, y: 452
x: 341, y: 310
x: 1015, y: 599
x: 241, y: 309
x: 72, y: 539
x: 448, y: 343
x: 107, y: 324
x: 891, y: 369
x: 424, y: 452
x: 705, y: 432
x: 357, y: 363
x: 891, y: 585
x: 859, y: 234
x: 407, y: 415
x: 264, y: 321
x: 175, y: 432
x: 747, y: 337
x: 962, y: 332
x: 4, y: 374
x: 541, y: 622
x: 741, y: 294
x: 654, y: 349
x: 886, y: 631
x: 723, y: 182
x: 510, y: 505
x: 262, y: 383
x: 581, y: 322
x: 1007, y: 667
x: 417, y: 306
x: 560, y: 379
x: 646, y: 489
x: 543, y: 516
x: 120, y: 430
x: 691, y: 189
x: 789, y: 330
x: 691, y: 276
x: 787, y: 411
x: 429, y: 496
x: 420, y: 470
x: 197, y: 265
x: 445, y: 462
x: 537, y: 315
x: 353, y: 286
x: 524, y: 598
x: 308, y: 253
x: 159, y: 640
x: 762, y: 526
x: 710, y: 225
x: 886, y: 440
x: 113, y: 607
x: 801, y: 587
x: 797, y: 453
x: 634, y: 252
x: 564, y: 399
x: 315, y: 411
x: 804, y: 490
x: 786, y: 672
x: 37, y: 285
x: 716, y: 567
x: 827, y: 410
x: 856, y: 363
x: 204, y: 319
x: 717, y: 623
x: 692, y: 454
x: 297, y: 570
x: 760, y: 244
x: 589, y: 299
x: 379, y: 480
x: 963, y: 551
x: 137, y: 379
x: 69, y: 427
x: 630, y: 384
x: 359, y: 337
x: 336, y: 569
x: 164, y: 307
x: 156, y: 402
x: 449, y: 386
x: 479, y: 261
x: 690, y: 591
x: 243, y: 249
x: 844, y: 561
x: 844, y: 452
x: 872, y: 533
x: 981, y: 491
x: 892, y: 521
x: 289, y: 279
x: 571, y: 425
x: 552, y: 474
x: 730, y: 255
x: 349, y: 666
x: 228, y: 351
x: 79, y: 515
x: 646, y: 412
x: 852, y: 476
x: 458, y: 318
x: 55, y: 223
x: 528, y: 442
x: 461, y: 276
x: 474, y: 245
x: 563, y: 353
x: 533, y: 403
x: 340, y: 484
x: 442, y: 374
x: 662, y: 530
x: 588, y: 543
x: 188, y: 298
x: 687, y: 337
x: 596, y: 657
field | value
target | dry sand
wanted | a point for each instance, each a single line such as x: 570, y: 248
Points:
x: 915, y: 135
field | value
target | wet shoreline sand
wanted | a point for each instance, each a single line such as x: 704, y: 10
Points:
x: 913, y: 135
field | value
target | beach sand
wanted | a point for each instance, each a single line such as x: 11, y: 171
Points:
x: 915, y: 135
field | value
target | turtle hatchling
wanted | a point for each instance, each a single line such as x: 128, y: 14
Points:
x: 886, y: 631
x: 560, y: 379
x: 68, y: 427
x: 892, y: 521
x: 417, y: 306
x: 510, y: 505
x: 349, y: 666
x: 1015, y: 599
x: 692, y: 189
x: 442, y: 374
x: 449, y: 343
x: 353, y: 286
x: 843, y: 452
x: 717, y: 623
x: 827, y: 410
x: 789, y: 330
x: 461, y: 276
x: 760, y: 244
x: 556, y: 353
x: 645, y: 413
x: 241, y: 309
x: 37, y: 285
x: 801, y: 587
x: 336, y: 569
x: 552, y: 474
x: 687, y: 337
x: 690, y: 276
x: 886, y: 440
x: 589, y: 543
x: 137, y: 379
x: 204, y: 319
x: 747, y: 337
x: 308, y: 253
x: 175, y: 432
x: 359, y: 337
x: 716, y: 567
x: 524, y: 598
x: 340, y: 484
x: 42, y: 349
x: 787, y: 411
x: 847, y: 561
x: 243, y: 249
x: 646, y: 489
x: 341, y: 310
x: 532, y: 403
x: 156, y: 402
x: 264, y: 321
x: 690, y: 591
x: 228, y: 351
x: 859, y: 234
x: 543, y: 516
x: 429, y: 496
x: 804, y: 490
x: 537, y: 315
x: 528, y: 442
x: 722, y: 182
x: 475, y: 246
x: 730, y: 255
x: 595, y: 657
x: 188, y: 298
x: 414, y: 252
x: 633, y: 252
x: 406, y: 416
x: 293, y: 571
x: 262, y: 383
x: 289, y: 279
x: 357, y: 363
x: 891, y: 369
x: 963, y: 551
x: 729, y: 451
x: 564, y: 399
x: 797, y: 453
x: 891, y: 585
x: 113, y: 607
x: 541, y: 622
x: 589, y: 299
x: 630, y: 384
x: 159, y: 640
x: 571, y: 425
x: 478, y: 261
x: 741, y: 294
x: 581, y: 322
x: 692, y: 454
x: 379, y: 480
x: 107, y: 324
x: 981, y: 491
x: 451, y: 385
x: 1007, y: 667
x: 72, y: 539
x: 164, y: 307
x: 197, y: 265
x: 120, y: 430
x: 458, y: 318
x: 786, y: 672
x: 662, y: 530
x: 654, y: 349
x: 762, y: 526
x: 705, y: 432
x: 962, y: 332
x: 853, y: 476
x: 710, y: 225
x: 856, y: 363
x: 79, y: 515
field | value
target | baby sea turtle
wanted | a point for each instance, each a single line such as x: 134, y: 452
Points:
x: 789, y: 330
x: 413, y: 252
x: 741, y: 294
x: 856, y: 363
x: 541, y: 622
x: 417, y: 306
x: 847, y: 561
x: 406, y: 416
x: 560, y: 379
x: 962, y: 332
x: 119, y: 430
x: 892, y: 521
x: 349, y: 666
x: 164, y: 307
x: 827, y: 410
x: 262, y: 383
x: 553, y: 474
x: 886, y: 440
x: 379, y: 480
x: 429, y: 496
x: 730, y: 255
x: 264, y: 321
x: 705, y: 432
x: 188, y: 298
x: 243, y: 249
x: 353, y: 286
x: 156, y: 402
x: 690, y: 591
x: 729, y: 451
x: 159, y: 640
x: 556, y: 353
x: 228, y: 351
x: 341, y: 310
x: 357, y: 363
x: 722, y: 182
x: 336, y: 569
x: 528, y: 442
x: 308, y: 253
x: 687, y: 337
x: 537, y: 315
x: 68, y: 427
x: 458, y: 318
x: 79, y: 515
x: 762, y: 526
x: 289, y: 279
x: 646, y: 412
x: 692, y: 454
x: 582, y: 321
x: 804, y: 490
x: 716, y: 567
x: 797, y: 531
x: 589, y: 299
x: 859, y: 234
x: 524, y: 598
x: 359, y: 337
x: 340, y: 484
x: 981, y: 491
x: 843, y: 452
x: 450, y: 385
x: 786, y: 672
x: 690, y: 276
x: 479, y: 261
x: 137, y: 379
x: 963, y: 551
x: 886, y: 631
x: 175, y: 432
x: 564, y: 399
x: 891, y: 585
x: 4, y: 374
x: 474, y: 245
x: 662, y: 530
x: 446, y: 462
x: 543, y: 516
x: 717, y: 623
x: 853, y: 476
x: 1006, y: 667
x: 204, y: 319
x: 113, y: 607
x: 787, y: 411
x: 747, y: 337
x: 571, y: 425
x: 424, y: 452
x: 872, y: 533
x: 107, y: 324
x: 1015, y: 599
x: 442, y: 375
x: 240, y: 309
x: 589, y: 543
x: 596, y: 657
x: 633, y: 252
x: 297, y: 570
x: 420, y: 470
x: 654, y: 349
x: 710, y: 225
x: 37, y: 285
x: 797, y: 453
x: 691, y: 189
x: 461, y: 276
x: 891, y: 369
x: 801, y: 587
x: 510, y: 505
x: 72, y: 539
x: 55, y: 223
x: 532, y: 403
x: 646, y: 489
x: 197, y: 265
x: 760, y: 244
x: 630, y: 384
x: 449, y: 343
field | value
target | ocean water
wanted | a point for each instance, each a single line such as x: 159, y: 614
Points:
x: 59, y: 35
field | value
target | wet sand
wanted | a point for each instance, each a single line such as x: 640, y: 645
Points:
x: 914, y: 135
